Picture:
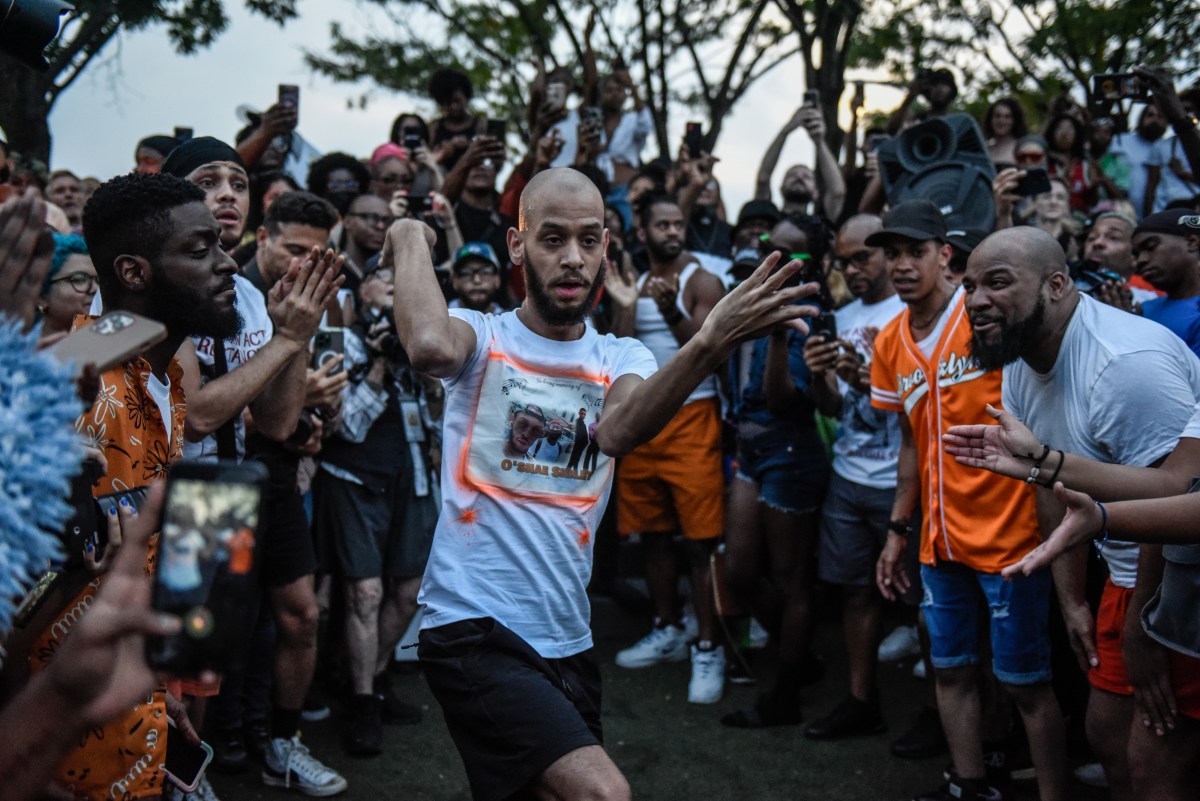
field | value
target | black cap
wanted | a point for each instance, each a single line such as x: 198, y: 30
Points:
x: 965, y: 240
x: 1175, y: 222
x: 758, y: 210
x: 912, y: 219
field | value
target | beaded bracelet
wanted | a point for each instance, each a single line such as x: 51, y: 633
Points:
x: 1101, y: 538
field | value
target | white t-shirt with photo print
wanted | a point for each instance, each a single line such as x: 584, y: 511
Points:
x: 515, y: 536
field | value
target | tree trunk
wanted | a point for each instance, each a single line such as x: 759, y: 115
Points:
x: 25, y: 109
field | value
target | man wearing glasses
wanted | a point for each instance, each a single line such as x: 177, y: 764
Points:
x: 475, y: 276
x: 363, y: 229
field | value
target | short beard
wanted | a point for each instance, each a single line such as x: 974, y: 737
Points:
x: 659, y: 253
x: 557, y: 316
x: 190, y: 314
x: 1015, y: 341
x: 799, y: 196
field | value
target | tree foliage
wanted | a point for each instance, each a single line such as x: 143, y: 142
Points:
x: 705, y: 55
x: 29, y: 96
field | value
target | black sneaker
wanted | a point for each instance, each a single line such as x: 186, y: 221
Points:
x: 395, y: 711
x: 314, y: 708
x: 850, y: 718
x: 229, y: 751
x: 364, y: 729
x: 257, y: 738
x: 924, y: 739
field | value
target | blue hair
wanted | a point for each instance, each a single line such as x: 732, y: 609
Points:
x: 39, y: 454
x: 65, y: 246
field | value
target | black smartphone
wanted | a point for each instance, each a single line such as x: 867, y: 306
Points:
x: 1119, y: 86
x: 812, y: 97
x: 185, y: 763
x: 328, y: 343
x: 1034, y: 182
x: 420, y: 203
x: 206, y: 570
x: 693, y: 139
x: 824, y: 325
x: 497, y: 129
x: 183, y: 134
x: 411, y: 140
x: 289, y: 95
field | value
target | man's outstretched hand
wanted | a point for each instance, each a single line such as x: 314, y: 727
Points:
x: 759, y: 304
x: 999, y: 448
x: 1081, y: 523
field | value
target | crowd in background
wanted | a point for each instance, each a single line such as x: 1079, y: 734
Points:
x: 801, y: 461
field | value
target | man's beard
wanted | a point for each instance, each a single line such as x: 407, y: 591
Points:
x: 1015, y: 341
x: 559, y: 316
x: 800, y: 196
x: 660, y: 252
x: 189, y: 313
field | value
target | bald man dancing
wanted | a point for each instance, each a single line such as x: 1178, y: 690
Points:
x: 1095, y: 381
x: 505, y: 641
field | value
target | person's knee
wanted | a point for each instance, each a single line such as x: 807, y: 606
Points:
x: 1032, y: 699
x: 861, y: 600
x: 364, y: 597
x: 297, y: 618
x: 963, y: 678
x: 699, y: 553
x: 405, y: 592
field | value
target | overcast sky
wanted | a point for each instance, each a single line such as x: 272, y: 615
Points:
x: 140, y: 86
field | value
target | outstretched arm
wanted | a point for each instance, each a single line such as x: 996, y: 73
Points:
x: 635, y: 410
x: 762, y: 187
x: 435, y: 342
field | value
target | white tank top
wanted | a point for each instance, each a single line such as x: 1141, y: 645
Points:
x: 655, y: 334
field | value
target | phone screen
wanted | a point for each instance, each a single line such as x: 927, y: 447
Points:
x: 289, y: 95
x: 205, y: 571
x: 496, y: 129
x: 693, y: 139
x: 1034, y: 182
x: 185, y: 762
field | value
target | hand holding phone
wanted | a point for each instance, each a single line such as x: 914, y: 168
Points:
x: 1033, y: 182
x: 693, y: 139
x: 289, y: 95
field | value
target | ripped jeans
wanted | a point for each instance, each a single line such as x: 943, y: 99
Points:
x: 786, y: 463
x: 1018, y: 611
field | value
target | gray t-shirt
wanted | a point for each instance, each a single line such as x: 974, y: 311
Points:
x: 1121, y: 392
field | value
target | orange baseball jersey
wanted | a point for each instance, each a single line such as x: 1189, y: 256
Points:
x: 969, y: 516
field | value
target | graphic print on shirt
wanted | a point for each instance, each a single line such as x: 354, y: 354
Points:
x: 531, y: 432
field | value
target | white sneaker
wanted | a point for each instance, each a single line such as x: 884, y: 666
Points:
x: 203, y: 792
x: 662, y: 644
x: 756, y: 635
x: 902, y: 643
x: 919, y: 669
x: 708, y: 676
x: 291, y: 766
x: 1091, y: 774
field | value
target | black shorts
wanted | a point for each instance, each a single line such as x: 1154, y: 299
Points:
x: 511, y: 712
x: 286, y: 550
x: 365, y: 533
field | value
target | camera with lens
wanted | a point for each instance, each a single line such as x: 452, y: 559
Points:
x: 389, y: 346
x: 1089, y: 276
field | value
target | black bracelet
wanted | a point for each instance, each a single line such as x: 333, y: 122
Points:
x: 1102, y: 537
x: 1037, y: 465
x: 901, y: 527
x: 1062, y: 457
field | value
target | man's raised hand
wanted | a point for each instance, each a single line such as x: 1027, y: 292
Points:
x: 26, y: 250
x: 1080, y: 524
x: 297, y: 314
x: 759, y: 304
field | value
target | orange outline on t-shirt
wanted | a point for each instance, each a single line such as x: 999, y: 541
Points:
x: 500, y: 493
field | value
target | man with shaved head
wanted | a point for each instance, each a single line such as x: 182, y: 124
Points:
x: 1091, y: 380
x: 505, y: 639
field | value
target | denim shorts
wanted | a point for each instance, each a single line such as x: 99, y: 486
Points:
x: 787, y: 465
x: 1018, y: 611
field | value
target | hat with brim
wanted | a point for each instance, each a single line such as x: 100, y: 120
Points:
x: 1173, y: 222
x: 919, y: 220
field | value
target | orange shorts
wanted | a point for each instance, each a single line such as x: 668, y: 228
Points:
x: 674, y: 482
x: 1110, y: 674
x: 1185, y: 683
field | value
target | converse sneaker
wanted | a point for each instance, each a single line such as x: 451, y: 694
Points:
x: 291, y: 766
x: 902, y: 643
x: 708, y: 675
x: 664, y: 643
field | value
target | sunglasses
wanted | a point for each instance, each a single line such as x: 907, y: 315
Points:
x: 766, y: 248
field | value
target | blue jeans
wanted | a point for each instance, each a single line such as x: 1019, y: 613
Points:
x: 1018, y: 612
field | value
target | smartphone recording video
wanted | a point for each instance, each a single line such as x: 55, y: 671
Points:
x: 289, y: 95
x: 205, y: 571
x: 812, y: 97
x: 1034, y: 182
x: 693, y: 139
x: 1118, y: 86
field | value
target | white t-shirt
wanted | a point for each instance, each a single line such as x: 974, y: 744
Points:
x: 1140, y: 154
x: 651, y: 329
x: 868, y: 444
x: 515, y: 535
x: 1122, y: 391
x: 161, y: 392
x: 257, y: 331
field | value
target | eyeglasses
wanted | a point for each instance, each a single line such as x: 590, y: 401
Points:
x: 859, y: 258
x: 487, y: 271
x: 393, y: 178
x: 370, y: 218
x: 349, y: 185
x: 80, y: 282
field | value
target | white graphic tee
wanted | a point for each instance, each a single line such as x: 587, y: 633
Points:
x: 523, y: 485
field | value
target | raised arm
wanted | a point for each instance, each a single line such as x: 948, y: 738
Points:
x: 435, y: 342
x: 762, y: 187
x: 636, y: 410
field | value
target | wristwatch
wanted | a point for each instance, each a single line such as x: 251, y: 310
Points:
x: 901, y: 527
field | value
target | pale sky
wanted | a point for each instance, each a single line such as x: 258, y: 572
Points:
x: 140, y: 86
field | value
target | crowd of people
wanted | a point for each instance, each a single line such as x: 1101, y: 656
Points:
x: 444, y: 378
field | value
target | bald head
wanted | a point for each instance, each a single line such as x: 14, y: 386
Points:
x: 1025, y: 248
x: 860, y: 226
x: 557, y: 190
